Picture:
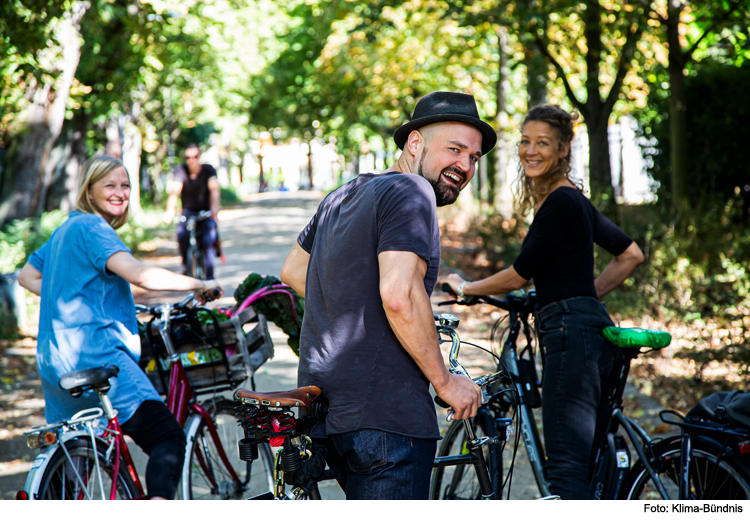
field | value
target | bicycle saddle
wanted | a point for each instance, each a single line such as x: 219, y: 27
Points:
x: 93, y: 378
x: 636, y: 337
x: 299, y: 397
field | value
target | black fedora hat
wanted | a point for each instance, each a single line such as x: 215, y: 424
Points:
x: 441, y: 107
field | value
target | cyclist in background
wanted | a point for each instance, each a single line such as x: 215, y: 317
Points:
x: 198, y: 188
x: 87, y: 318
x: 367, y: 263
x: 558, y: 254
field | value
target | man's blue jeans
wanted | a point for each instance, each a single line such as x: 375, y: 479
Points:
x: 578, y: 368
x: 206, y: 238
x: 380, y: 465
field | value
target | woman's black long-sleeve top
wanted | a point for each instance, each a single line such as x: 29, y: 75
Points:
x: 558, y: 251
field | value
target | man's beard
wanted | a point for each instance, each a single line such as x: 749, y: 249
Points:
x: 444, y: 193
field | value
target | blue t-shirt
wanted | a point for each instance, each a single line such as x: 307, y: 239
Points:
x: 87, y: 318
x: 347, y: 346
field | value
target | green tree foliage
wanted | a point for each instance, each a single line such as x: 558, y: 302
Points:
x: 349, y: 66
x: 692, y: 31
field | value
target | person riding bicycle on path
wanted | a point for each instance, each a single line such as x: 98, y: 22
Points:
x: 367, y: 263
x: 87, y: 318
x: 198, y: 188
x: 558, y: 254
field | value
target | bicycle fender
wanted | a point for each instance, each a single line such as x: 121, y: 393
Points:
x: 191, y: 428
x: 34, y: 478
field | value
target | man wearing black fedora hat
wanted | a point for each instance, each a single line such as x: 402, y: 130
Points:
x: 367, y: 263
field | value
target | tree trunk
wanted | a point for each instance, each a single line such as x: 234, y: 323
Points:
x: 677, y: 110
x: 600, y: 168
x: 537, y: 72
x: 131, y: 158
x: 65, y: 161
x: 497, y: 161
x: 310, y: 165
x: 113, y: 130
x: 596, y: 114
x: 44, y: 122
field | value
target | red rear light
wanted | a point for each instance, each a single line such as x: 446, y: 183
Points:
x: 22, y: 495
x: 49, y: 437
x: 745, y: 447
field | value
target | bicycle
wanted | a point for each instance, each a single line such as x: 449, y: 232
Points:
x: 79, y: 458
x: 612, y: 460
x: 268, y: 419
x: 707, y: 461
x: 195, y: 253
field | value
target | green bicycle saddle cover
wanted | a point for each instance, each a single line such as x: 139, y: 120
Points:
x: 636, y: 337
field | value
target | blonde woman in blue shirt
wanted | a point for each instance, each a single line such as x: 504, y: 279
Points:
x: 87, y: 317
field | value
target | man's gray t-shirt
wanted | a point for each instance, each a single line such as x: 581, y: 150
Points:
x: 348, y: 348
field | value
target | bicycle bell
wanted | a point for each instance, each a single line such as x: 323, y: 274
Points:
x: 448, y: 320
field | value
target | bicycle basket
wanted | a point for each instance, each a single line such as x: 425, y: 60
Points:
x: 207, y: 364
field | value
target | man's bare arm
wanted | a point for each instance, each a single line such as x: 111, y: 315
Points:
x: 174, y: 192
x: 213, y: 187
x: 294, y: 269
x: 407, y: 307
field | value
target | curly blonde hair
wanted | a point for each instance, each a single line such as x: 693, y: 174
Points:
x: 96, y: 168
x: 530, y: 193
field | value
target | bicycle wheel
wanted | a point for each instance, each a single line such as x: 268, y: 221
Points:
x: 192, y: 262
x: 76, y: 477
x: 460, y: 482
x: 207, y: 477
x: 709, y: 479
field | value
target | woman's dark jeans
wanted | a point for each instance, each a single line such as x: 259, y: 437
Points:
x: 577, y: 367
x: 380, y: 465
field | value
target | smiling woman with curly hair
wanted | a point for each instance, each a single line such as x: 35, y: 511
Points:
x: 558, y: 254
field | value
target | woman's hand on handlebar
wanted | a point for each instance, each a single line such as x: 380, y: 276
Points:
x: 453, y: 280
x: 209, y: 292
x: 463, y: 395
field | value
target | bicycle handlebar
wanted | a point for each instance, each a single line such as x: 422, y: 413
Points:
x: 516, y: 300
x: 202, y: 215
x: 445, y: 324
x: 188, y: 302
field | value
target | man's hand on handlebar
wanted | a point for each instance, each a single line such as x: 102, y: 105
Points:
x: 463, y: 395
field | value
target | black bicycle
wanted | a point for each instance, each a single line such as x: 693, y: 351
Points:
x: 707, y: 461
x: 269, y: 418
x: 516, y: 393
x: 195, y: 251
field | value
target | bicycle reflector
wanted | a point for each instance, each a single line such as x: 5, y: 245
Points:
x: 745, y: 447
x: 22, y: 495
x: 33, y: 441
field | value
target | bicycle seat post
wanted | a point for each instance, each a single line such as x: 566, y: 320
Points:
x: 109, y: 411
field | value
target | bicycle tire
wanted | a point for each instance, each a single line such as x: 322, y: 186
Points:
x: 194, y: 264
x: 460, y: 482
x: 59, y: 481
x: 731, y: 480
x: 256, y: 477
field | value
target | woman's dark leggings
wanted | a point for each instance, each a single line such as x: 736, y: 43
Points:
x: 577, y: 367
x: 157, y: 432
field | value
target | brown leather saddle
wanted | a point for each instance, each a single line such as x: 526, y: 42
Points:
x: 300, y: 397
